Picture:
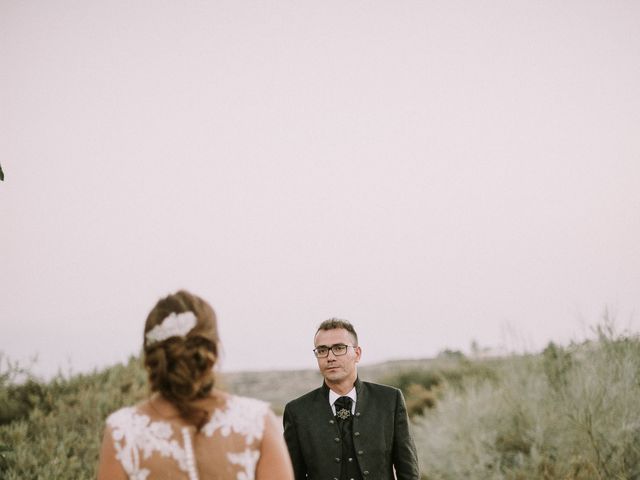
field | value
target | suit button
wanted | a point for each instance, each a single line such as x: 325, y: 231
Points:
x: 356, y: 434
x: 350, y: 459
x: 337, y: 460
x: 366, y: 472
x: 337, y: 440
x: 357, y: 414
x: 360, y: 452
x: 331, y: 422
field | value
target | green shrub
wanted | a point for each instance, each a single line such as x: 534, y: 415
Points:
x: 422, y: 386
x: 58, y: 429
x: 570, y: 413
x: 418, y: 399
x: 557, y: 363
x: 428, y: 379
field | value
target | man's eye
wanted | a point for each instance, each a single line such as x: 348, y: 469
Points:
x: 322, y: 350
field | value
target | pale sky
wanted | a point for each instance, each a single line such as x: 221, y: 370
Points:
x: 436, y: 172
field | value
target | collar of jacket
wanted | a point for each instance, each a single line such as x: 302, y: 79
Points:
x: 357, y: 384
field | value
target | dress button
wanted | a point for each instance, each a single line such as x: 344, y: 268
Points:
x: 337, y: 440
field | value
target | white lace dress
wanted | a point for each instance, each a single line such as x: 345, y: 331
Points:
x: 149, y: 446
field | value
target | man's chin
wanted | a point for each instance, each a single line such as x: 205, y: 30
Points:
x: 332, y: 375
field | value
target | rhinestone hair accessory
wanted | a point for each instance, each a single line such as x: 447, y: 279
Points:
x: 174, y: 325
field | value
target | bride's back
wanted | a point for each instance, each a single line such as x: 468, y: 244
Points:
x: 151, y: 440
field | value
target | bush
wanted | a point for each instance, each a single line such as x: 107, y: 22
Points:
x: 56, y: 432
x: 570, y: 413
x: 422, y: 386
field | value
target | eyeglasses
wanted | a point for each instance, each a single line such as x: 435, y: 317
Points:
x: 337, y: 349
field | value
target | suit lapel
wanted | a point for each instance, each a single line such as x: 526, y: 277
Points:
x: 325, y: 414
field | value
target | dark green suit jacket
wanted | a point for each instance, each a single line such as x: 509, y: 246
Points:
x: 380, y: 435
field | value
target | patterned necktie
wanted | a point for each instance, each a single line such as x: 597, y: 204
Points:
x: 343, y: 408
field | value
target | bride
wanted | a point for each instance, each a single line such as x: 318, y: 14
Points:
x: 187, y: 429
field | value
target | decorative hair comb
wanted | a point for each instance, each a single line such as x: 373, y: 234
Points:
x: 174, y: 325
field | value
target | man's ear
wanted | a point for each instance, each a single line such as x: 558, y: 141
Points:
x: 358, y: 354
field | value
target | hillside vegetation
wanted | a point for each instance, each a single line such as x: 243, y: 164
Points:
x: 570, y: 413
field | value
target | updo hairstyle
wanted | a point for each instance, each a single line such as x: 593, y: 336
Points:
x: 181, y: 368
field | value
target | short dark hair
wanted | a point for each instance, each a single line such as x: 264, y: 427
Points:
x: 333, y: 323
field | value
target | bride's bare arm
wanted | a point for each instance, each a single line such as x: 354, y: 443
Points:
x: 274, y: 463
x: 109, y: 467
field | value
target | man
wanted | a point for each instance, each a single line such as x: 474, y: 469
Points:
x: 348, y: 429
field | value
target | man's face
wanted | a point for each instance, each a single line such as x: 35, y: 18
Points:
x: 336, y: 369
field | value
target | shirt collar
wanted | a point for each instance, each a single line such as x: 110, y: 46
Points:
x: 333, y: 396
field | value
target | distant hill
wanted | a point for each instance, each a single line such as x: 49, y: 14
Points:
x: 278, y: 387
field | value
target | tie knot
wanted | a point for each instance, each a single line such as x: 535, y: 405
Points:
x: 343, y: 407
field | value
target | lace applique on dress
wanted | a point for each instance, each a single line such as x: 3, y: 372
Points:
x: 136, y: 437
x: 247, y: 460
x: 243, y: 416
x: 134, y: 434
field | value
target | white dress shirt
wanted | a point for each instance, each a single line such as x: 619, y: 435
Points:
x: 333, y: 396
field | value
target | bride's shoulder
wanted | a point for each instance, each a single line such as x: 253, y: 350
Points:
x: 242, y: 415
x: 225, y: 401
x: 247, y: 404
x: 129, y: 415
